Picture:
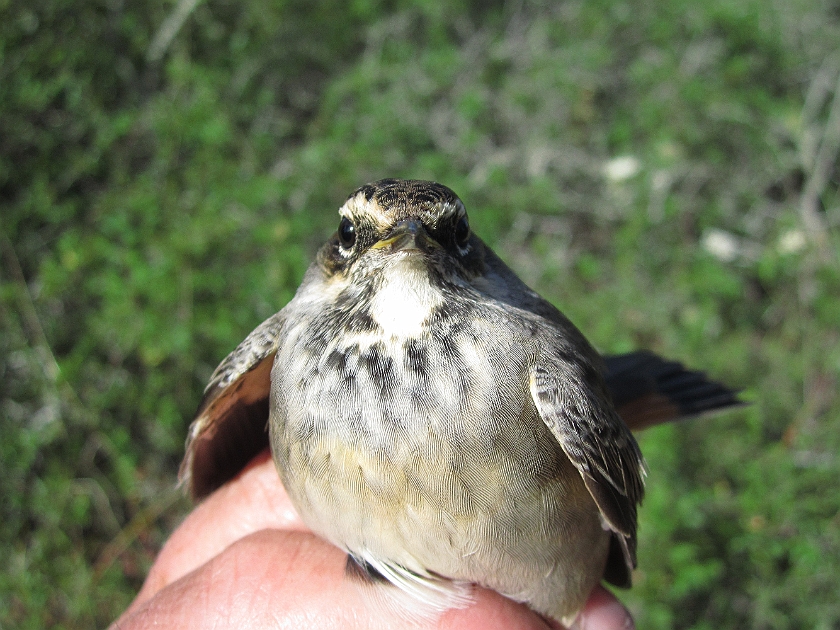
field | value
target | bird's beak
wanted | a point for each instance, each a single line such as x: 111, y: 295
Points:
x: 408, y: 235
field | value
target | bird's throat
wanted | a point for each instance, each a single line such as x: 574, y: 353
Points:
x: 404, y: 302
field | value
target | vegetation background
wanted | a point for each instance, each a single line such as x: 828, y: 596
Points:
x: 666, y: 173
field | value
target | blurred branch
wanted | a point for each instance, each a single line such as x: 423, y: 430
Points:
x: 818, y: 166
x: 32, y: 323
x: 169, y: 29
x: 141, y: 522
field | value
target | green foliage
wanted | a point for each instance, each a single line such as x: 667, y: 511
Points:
x: 645, y: 167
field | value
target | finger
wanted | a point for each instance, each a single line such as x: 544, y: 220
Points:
x: 603, y: 611
x: 491, y: 610
x: 253, y: 501
x: 293, y: 579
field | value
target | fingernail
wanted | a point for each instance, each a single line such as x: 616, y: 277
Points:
x: 610, y: 614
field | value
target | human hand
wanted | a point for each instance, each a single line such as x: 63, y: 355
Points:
x: 244, y: 559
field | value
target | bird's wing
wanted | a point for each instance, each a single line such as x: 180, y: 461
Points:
x: 572, y: 401
x: 230, y: 425
x: 571, y: 398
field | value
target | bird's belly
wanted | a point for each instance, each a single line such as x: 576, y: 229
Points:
x: 435, y: 463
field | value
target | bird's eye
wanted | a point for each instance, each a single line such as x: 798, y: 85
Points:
x: 346, y: 233
x: 462, y: 231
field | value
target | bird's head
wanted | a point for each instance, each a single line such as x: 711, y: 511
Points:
x: 402, y: 224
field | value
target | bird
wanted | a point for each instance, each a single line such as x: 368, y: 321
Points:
x: 437, y: 419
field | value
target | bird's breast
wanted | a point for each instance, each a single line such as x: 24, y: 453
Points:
x: 364, y: 385
x: 427, y: 451
x: 453, y: 397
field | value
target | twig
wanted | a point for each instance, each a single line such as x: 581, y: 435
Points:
x: 169, y: 29
x: 128, y: 534
x: 32, y: 323
x: 820, y: 169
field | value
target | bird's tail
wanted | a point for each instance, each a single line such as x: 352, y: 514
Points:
x: 648, y: 390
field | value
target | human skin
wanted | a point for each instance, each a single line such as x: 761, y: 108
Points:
x: 244, y: 559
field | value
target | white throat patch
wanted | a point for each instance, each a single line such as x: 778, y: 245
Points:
x: 406, y: 300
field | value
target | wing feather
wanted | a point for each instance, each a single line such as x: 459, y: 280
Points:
x: 572, y: 401
x: 230, y: 425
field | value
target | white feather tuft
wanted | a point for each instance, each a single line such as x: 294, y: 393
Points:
x: 417, y: 598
